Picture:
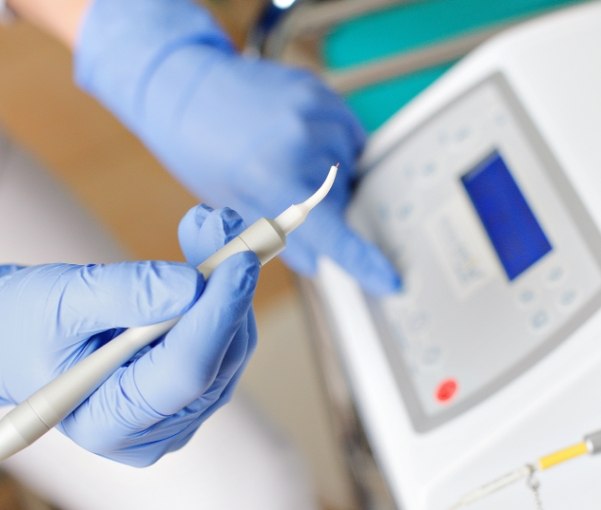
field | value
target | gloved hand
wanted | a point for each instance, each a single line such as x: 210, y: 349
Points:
x: 51, y: 316
x: 237, y: 131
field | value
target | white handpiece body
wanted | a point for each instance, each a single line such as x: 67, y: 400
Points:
x: 49, y: 406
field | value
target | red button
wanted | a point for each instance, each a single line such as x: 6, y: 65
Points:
x: 446, y: 390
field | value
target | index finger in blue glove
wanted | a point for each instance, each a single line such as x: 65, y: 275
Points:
x: 94, y: 298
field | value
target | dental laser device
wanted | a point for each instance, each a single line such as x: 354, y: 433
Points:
x: 48, y: 406
x: 485, y: 192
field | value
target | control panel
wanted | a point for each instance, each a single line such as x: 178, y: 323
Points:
x: 499, y: 257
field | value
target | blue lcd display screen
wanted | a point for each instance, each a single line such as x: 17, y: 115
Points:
x: 514, y: 231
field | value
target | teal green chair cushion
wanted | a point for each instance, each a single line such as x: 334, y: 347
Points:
x: 405, y: 28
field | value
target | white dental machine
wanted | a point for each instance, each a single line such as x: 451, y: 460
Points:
x: 486, y: 193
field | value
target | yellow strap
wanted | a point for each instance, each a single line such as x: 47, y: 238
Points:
x: 551, y: 460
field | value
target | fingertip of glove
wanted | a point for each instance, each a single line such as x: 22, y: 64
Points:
x: 201, y: 213
x: 379, y: 276
x: 230, y: 222
x: 365, y: 262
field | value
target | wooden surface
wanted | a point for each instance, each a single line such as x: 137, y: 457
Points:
x: 86, y: 148
x: 9, y: 495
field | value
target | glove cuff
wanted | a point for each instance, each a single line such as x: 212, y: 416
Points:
x: 121, y: 43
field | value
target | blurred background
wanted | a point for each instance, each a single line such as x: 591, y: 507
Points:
x: 128, y: 191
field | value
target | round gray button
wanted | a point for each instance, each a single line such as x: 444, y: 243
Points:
x: 568, y: 298
x: 431, y: 356
x: 526, y: 297
x: 540, y: 320
x: 555, y: 275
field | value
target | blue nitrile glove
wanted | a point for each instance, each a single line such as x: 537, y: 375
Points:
x: 237, y: 131
x: 51, y: 316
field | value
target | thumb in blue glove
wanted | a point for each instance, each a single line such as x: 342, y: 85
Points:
x: 51, y: 316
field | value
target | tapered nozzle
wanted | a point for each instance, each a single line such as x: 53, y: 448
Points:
x: 295, y: 215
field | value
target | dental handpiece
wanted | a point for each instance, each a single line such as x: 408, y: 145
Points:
x: 46, y: 408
